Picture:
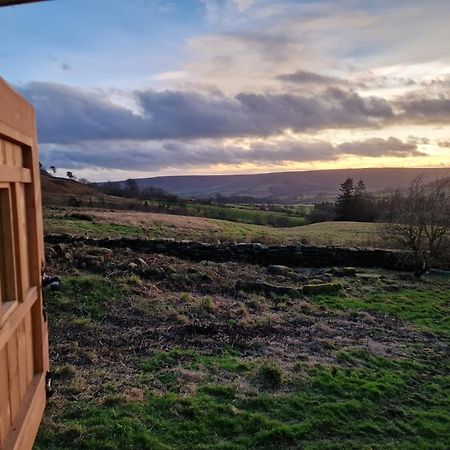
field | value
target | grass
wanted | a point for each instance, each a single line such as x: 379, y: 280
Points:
x: 89, y: 297
x: 246, y: 215
x: 66, y: 225
x: 116, y: 223
x: 196, y: 397
x: 427, y: 308
x: 373, y: 405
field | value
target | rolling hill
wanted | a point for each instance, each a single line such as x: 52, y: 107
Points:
x: 58, y: 191
x: 310, y: 185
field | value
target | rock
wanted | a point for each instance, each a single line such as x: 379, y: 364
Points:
x: 324, y: 278
x: 50, y: 253
x: 279, y: 270
x: 100, y: 251
x: 324, y: 288
x: 369, y: 276
x: 90, y: 261
x: 343, y: 271
x: 132, y: 266
x: 314, y: 281
x: 60, y: 249
x: 68, y: 256
x: 143, y: 263
x: 349, y: 271
x: 298, y: 277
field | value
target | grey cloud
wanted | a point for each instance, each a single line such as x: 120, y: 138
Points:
x: 66, y: 114
x: 377, y: 147
x: 302, y: 77
x: 72, y: 115
x: 153, y: 155
x: 425, y: 110
x: 418, y: 140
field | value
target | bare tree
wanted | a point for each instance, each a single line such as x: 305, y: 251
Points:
x: 419, y: 220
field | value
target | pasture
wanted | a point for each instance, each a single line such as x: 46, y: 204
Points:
x: 153, y: 225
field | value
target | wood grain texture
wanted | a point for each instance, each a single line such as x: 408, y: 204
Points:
x: 5, y: 407
x: 23, y: 329
x: 22, y: 437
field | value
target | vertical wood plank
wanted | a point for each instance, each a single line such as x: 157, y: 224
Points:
x: 7, y: 254
x: 5, y: 408
x: 10, y: 154
x: 36, y: 256
x: 2, y: 152
x: 29, y: 347
x: 22, y: 359
x: 13, y: 375
x: 21, y: 240
x: 18, y: 150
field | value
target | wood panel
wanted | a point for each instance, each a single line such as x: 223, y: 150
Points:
x: 21, y: 239
x: 5, y: 407
x: 23, y: 328
x: 13, y: 375
x: 8, y: 282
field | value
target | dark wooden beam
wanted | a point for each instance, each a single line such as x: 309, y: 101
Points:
x: 17, y: 2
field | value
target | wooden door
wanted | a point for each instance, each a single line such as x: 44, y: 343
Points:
x: 23, y: 327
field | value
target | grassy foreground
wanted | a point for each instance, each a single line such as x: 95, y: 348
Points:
x: 172, y: 357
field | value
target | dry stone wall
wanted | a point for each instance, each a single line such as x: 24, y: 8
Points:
x: 255, y: 253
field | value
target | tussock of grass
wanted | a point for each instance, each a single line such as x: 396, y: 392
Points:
x: 88, y: 296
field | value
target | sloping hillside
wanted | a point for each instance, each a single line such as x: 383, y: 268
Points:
x: 58, y: 191
x: 312, y: 185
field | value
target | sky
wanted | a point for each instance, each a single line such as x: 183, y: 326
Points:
x: 137, y: 88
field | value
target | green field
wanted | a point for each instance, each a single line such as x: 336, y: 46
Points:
x: 278, y: 216
x: 247, y: 214
x: 120, y: 223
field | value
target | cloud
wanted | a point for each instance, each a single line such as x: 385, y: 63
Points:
x: 419, y: 140
x: 67, y: 114
x: 377, y: 147
x: 154, y: 155
x: 302, y: 77
x: 425, y: 110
